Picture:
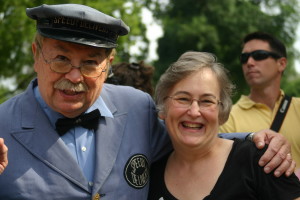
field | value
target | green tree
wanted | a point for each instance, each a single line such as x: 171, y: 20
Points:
x: 17, y: 32
x: 218, y: 27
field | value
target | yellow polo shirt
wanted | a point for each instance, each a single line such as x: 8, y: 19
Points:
x: 248, y: 116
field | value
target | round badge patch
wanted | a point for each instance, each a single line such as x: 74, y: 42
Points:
x: 136, y: 171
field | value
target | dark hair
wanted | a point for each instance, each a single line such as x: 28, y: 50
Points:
x: 138, y: 75
x: 276, y: 45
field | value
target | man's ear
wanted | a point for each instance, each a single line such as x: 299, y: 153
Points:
x: 33, y: 49
x: 111, y: 59
x: 282, y: 63
x: 35, y: 56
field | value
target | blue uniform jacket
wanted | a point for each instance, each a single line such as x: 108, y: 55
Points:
x: 41, y: 166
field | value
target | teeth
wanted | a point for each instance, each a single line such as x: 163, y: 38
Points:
x: 192, y: 125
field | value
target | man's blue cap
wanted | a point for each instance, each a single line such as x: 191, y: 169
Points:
x: 78, y: 24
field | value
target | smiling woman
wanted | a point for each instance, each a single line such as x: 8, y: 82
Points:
x: 193, y: 98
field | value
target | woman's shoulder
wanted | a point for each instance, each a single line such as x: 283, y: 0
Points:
x: 247, y: 149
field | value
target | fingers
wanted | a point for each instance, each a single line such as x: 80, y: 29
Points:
x: 291, y: 163
x: 276, y: 161
x: 3, y: 155
x: 259, y: 141
x: 287, y: 166
x: 261, y: 138
x: 276, y: 151
x: 276, y: 154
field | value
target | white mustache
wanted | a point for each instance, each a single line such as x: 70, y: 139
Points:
x: 65, y: 84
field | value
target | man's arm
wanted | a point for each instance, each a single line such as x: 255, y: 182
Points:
x: 230, y: 136
x: 3, y: 155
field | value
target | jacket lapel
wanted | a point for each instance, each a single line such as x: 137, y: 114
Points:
x: 109, y: 137
x: 40, y: 139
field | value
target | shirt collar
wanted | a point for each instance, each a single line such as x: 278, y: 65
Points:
x: 246, y: 103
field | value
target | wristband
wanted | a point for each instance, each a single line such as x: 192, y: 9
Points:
x: 250, y: 136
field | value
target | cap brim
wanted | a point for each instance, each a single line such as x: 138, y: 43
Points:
x: 76, y: 37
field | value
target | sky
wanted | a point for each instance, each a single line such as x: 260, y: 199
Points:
x: 297, y: 46
x: 154, y: 31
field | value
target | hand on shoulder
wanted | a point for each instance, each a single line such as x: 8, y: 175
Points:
x: 278, y: 154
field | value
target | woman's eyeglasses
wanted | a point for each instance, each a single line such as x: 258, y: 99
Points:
x: 185, y: 101
x: 258, y: 55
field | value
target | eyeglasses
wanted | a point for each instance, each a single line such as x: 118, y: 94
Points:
x: 258, y: 55
x: 63, y: 66
x: 185, y: 101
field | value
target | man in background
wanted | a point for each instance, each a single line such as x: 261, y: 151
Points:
x: 264, y: 60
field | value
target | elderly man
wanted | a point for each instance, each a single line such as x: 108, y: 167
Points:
x: 70, y: 136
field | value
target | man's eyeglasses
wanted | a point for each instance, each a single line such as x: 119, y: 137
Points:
x: 62, y: 66
x: 258, y: 55
x: 185, y: 101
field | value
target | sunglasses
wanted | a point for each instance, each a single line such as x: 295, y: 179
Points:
x: 257, y: 55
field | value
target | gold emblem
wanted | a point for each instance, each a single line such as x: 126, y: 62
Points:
x: 96, y: 196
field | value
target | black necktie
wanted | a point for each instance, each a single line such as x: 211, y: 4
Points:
x: 88, y: 121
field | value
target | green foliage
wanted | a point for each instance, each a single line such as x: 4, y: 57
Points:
x: 292, y: 88
x: 218, y: 27
x: 17, y: 32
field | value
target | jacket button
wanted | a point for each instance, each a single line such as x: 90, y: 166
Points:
x: 96, y: 196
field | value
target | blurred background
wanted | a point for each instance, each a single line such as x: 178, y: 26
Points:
x: 161, y: 30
